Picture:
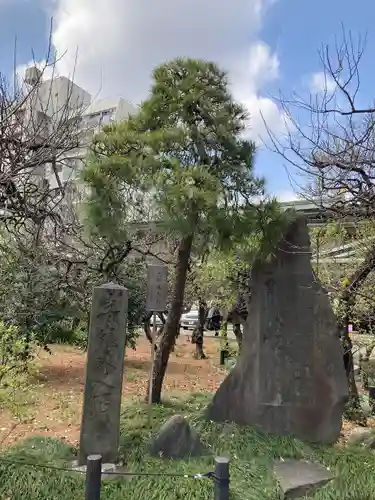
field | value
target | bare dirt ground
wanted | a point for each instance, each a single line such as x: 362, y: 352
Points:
x: 57, y: 401
x: 57, y: 388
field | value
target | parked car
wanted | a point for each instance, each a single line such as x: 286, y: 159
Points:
x: 189, y: 320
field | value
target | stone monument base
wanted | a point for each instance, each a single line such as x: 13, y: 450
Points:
x: 109, y: 471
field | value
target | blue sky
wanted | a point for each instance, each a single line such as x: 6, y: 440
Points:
x: 119, y: 43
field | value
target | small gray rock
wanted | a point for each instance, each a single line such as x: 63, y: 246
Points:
x: 363, y: 437
x: 176, y: 440
x: 360, y: 435
x: 297, y: 478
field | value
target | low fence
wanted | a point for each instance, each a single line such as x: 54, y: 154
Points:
x: 93, y: 485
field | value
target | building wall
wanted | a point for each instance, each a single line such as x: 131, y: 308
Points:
x: 60, y: 97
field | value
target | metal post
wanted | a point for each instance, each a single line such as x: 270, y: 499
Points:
x: 371, y: 399
x: 93, y: 477
x: 152, y: 364
x: 221, y: 491
x: 222, y: 357
x: 224, y: 353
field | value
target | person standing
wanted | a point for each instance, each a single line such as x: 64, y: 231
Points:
x: 214, y: 319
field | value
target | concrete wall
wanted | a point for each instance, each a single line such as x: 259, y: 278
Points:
x: 60, y: 96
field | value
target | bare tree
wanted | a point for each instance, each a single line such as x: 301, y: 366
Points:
x: 330, y: 139
x: 54, y: 252
x: 40, y: 133
x: 51, y: 260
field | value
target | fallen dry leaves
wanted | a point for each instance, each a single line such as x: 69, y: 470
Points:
x: 60, y: 384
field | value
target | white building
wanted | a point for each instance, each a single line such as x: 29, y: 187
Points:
x: 58, y: 101
x: 97, y: 114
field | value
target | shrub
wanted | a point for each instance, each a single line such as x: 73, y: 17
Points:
x: 16, y: 351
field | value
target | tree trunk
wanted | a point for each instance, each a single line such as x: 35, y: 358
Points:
x: 171, y: 328
x: 238, y: 334
x: 354, y: 409
x: 224, y: 327
x: 348, y: 353
x: 348, y: 298
x: 236, y: 322
x: 349, y: 368
x: 224, y: 344
x: 147, y: 326
x: 363, y: 366
x: 75, y: 323
x: 198, y: 333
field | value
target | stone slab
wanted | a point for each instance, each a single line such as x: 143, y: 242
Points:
x: 297, y: 478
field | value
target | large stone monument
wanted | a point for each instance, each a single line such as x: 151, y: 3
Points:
x: 104, y: 374
x: 289, y: 378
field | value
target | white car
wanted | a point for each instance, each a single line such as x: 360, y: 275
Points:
x: 189, y: 320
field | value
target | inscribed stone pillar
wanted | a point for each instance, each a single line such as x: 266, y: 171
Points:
x: 100, y: 426
x: 289, y: 377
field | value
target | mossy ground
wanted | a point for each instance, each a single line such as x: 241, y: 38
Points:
x: 251, y: 456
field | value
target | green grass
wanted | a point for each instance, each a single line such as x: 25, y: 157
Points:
x: 251, y: 455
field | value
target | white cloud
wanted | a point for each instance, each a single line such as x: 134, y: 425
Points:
x: 114, y: 45
x: 251, y: 73
x: 259, y: 67
x: 320, y: 83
